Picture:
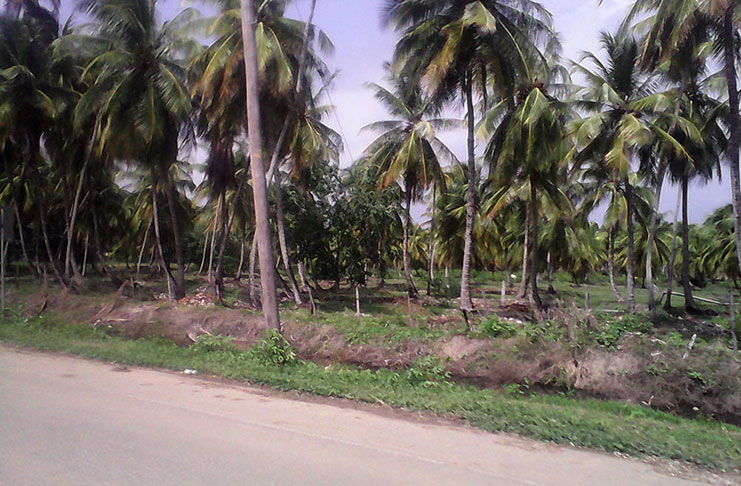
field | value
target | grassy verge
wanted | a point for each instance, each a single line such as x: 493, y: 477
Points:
x: 608, y: 426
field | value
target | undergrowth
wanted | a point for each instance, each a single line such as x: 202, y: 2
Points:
x: 426, y: 386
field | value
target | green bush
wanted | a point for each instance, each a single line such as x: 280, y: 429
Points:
x: 493, y: 326
x: 616, y: 328
x: 446, y: 289
x: 273, y: 350
x: 428, y: 372
x: 208, y: 343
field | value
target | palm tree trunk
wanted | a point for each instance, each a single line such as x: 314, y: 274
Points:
x: 158, y: 236
x: 84, y: 258
x: 689, y: 301
x: 411, y: 289
x: 525, y: 257
x: 100, y: 253
x: 213, y: 240
x: 283, y: 243
x: 651, y: 240
x: 224, y: 219
x: 259, y: 186
x: 47, y: 243
x: 22, y: 239
x: 274, y: 170
x: 68, y: 267
x: 673, y: 258
x: 431, y: 274
x: 179, y: 287
x: 466, y: 303
x: 631, y: 248
x: 205, y: 252
x: 734, y: 124
x: 141, y: 252
x: 241, y: 257
x: 534, y: 296
x: 253, y: 264
x: 43, y: 214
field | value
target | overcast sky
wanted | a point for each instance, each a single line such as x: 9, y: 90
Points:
x: 363, y: 45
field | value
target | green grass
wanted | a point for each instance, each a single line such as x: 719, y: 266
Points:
x: 390, y: 327
x: 608, y: 426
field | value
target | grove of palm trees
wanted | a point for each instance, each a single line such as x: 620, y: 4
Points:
x: 185, y: 180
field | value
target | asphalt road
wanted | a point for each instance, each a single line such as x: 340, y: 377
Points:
x: 66, y: 421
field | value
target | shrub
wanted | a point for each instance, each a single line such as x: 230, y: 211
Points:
x: 616, y: 328
x: 495, y: 327
x: 208, y: 343
x: 447, y: 289
x: 273, y: 350
x: 428, y: 372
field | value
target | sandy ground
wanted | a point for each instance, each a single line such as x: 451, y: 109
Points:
x: 67, y: 421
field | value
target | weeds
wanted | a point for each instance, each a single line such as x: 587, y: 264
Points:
x: 274, y: 349
x: 604, y: 425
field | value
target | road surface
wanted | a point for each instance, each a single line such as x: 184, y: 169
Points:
x: 67, y: 421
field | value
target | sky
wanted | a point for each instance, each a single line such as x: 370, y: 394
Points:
x: 363, y: 45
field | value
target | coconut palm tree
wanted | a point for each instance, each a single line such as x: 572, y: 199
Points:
x: 464, y: 47
x: 527, y: 152
x: 409, y: 150
x: 627, y: 116
x: 30, y: 102
x: 669, y: 26
x: 257, y: 164
x: 140, y: 100
x: 286, y: 58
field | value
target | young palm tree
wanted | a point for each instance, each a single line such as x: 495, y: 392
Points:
x: 460, y: 47
x: 408, y: 150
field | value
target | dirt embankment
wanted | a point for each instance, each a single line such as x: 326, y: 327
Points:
x: 641, y: 370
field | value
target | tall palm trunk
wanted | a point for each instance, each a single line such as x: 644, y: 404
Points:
x: 534, y: 296
x: 631, y: 248
x: 275, y: 166
x: 466, y: 303
x: 411, y: 289
x: 689, y: 301
x: 179, y: 287
x: 205, y: 252
x: 22, y: 239
x: 141, y: 252
x: 158, y: 237
x: 42, y: 213
x: 283, y: 242
x: 431, y: 274
x: 253, y: 264
x: 525, y: 256
x: 673, y: 258
x: 69, y: 268
x: 259, y: 185
x: 651, y: 241
x: 242, y: 246
x: 223, y: 218
x: 734, y: 124
x: 214, y: 231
